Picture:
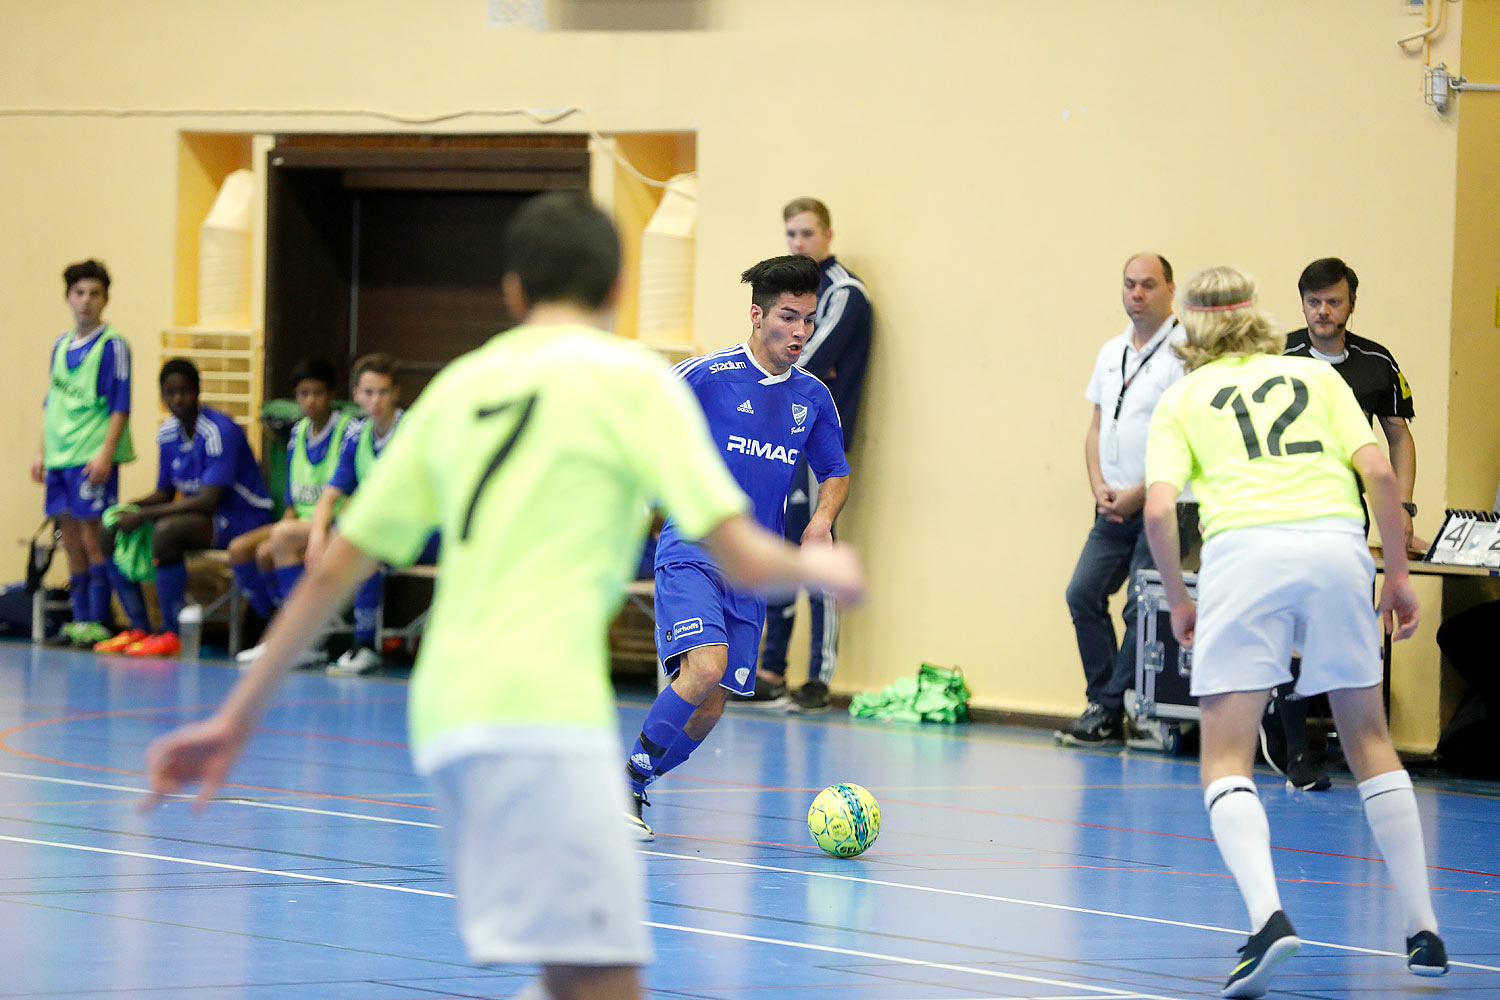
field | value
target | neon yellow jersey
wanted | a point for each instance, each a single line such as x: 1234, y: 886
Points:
x: 1264, y: 440
x: 537, y: 457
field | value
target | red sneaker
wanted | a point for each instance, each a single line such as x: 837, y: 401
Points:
x: 160, y: 644
x: 121, y: 642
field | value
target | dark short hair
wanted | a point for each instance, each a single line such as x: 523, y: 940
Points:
x: 83, y: 270
x: 183, y: 367
x: 380, y: 364
x: 799, y: 205
x: 1326, y: 271
x: 316, y: 369
x: 1166, y: 265
x: 562, y: 248
x: 796, y: 273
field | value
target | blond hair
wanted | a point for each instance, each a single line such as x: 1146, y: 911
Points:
x: 799, y: 205
x: 1221, y: 320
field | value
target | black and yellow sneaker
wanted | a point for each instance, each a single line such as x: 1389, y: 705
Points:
x: 1275, y: 941
x: 633, y: 819
x: 1425, y: 954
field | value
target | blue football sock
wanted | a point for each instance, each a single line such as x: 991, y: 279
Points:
x: 171, y: 585
x: 366, y: 604
x: 99, y: 609
x: 78, y: 590
x: 662, y: 728
x: 286, y: 579
x: 272, y: 583
x: 131, y: 598
x: 247, y: 578
x: 681, y: 751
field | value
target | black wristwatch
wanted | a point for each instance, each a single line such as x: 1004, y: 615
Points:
x: 1410, y: 508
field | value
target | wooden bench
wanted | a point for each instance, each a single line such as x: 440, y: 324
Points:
x: 228, y: 607
x: 626, y: 643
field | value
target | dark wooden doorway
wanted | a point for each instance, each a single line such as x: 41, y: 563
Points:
x: 391, y: 244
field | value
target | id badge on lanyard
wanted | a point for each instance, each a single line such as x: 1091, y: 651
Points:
x: 1112, y: 446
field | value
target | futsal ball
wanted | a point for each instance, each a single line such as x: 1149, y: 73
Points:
x: 844, y: 820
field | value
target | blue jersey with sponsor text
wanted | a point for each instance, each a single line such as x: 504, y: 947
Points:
x: 761, y: 424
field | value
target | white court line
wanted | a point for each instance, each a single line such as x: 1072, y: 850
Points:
x: 1094, y: 991
x: 1032, y: 902
x: 232, y: 868
x: 230, y: 799
x: 794, y: 871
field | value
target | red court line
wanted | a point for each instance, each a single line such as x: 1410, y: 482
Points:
x: 401, y: 745
x: 6, y: 734
x: 1074, y: 822
x: 1164, y: 833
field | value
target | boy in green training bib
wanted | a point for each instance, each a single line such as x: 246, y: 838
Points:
x: 85, y: 439
x: 312, y: 453
x: 375, y: 388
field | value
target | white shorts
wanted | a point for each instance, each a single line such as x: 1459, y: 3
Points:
x: 1266, y: 591
x: 542, y: 864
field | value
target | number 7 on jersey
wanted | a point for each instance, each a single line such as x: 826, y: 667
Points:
x: 526, y: 404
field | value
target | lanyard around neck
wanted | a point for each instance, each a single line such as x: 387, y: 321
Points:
x: 1125, y: 383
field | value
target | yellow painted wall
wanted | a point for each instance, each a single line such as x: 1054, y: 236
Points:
x: 990, y: 164
x: 1474, y: 369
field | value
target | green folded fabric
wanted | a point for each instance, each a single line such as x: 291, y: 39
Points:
x: 132, y: 548
x: 936, y: 694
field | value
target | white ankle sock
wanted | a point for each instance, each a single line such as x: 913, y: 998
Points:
x: 1244, y: 837
x: 1391, y: 811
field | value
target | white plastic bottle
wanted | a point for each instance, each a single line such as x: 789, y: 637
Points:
x: 190, y: 630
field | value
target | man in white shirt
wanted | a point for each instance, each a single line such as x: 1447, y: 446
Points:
x: 1130, y: 374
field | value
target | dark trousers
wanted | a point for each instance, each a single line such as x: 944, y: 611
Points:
x: 780, y: 617
x: 1111, y: 555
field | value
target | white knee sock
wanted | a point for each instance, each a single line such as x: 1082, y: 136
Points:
x: 1244, y: 837
x: 1391, y: 811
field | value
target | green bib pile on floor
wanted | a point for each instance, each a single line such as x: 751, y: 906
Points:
x: 936, y: 694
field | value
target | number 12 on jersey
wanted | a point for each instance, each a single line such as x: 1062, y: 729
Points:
x: 1233, y: 397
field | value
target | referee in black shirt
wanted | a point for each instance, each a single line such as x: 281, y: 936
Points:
x: 1327, y: 288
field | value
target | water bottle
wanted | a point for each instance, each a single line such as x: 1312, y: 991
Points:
x: 190, y: 630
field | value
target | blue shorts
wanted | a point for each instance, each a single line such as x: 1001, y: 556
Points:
x: 228, y: 527
x: 695, y: 607
x: 70, y: 492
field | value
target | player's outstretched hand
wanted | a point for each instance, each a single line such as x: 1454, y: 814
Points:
x: 837, y: 570
x: 1400, y: 613
x: 1185, y: 622
x: 200, y: 752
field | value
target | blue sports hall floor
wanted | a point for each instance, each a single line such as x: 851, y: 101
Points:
x: 1007, y: 867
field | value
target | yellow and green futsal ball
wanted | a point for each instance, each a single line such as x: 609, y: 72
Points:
x: 844, y: 820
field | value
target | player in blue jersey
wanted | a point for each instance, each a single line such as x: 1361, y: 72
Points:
x: 209, y: 491
x: 377, y: 392
x: 85, y: 437
x: 312, y: 454
x: 764, y: 413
